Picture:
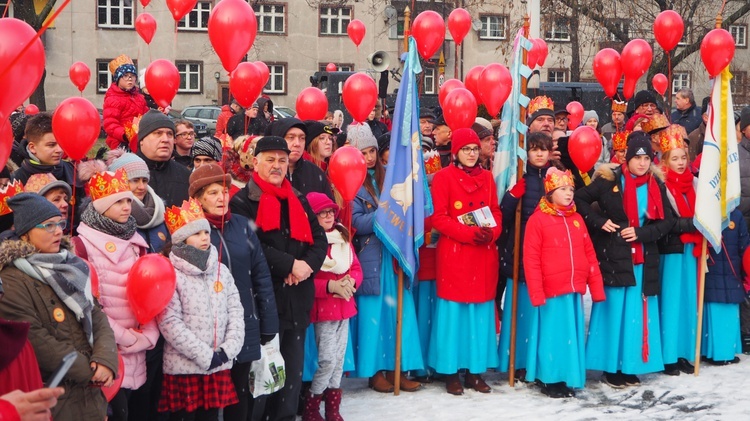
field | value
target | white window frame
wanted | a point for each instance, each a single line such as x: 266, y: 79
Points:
x: 557, y: 29
x: 123, y: 12
x: 553, y: 75
x: 3, y: 4
x: 199, y: 14
x: 329, y: 14
x: 393, y: 32
x: 270, y: 11
x: 738, y: 83
x: 680, y: 80
x: 623, y: 26
x: 277, y: 76
x: 429, y: 77
x: 187, y: 69
x: 493, y: 24
x: 739, y: 33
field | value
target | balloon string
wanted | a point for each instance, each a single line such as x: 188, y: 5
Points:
x: 5, y: 12
x: 73, y: 199
x: 36, y: 37
x: 174, y: 46
x: 671, y: 82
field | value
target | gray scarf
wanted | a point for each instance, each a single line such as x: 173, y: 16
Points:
x: 108, y: 226
x: 192, y: 255
x: 68, y: 276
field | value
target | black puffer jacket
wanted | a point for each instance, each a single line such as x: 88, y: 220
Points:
x: 613, y: 252
x: 169, y: 180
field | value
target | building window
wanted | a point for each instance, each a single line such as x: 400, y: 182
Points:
x: 3, y: 5
x: 191, y: 76
x: 115, y: 13
x: 557, y: 75
x: 738, y: 83
x: 493, y: 27
x: 396, y: 28
x: 621, y: 25
x: 739, y: 33
x: 197, y: 19
x: 334, y: 20
x: 271, y: 18
x: 429, y: 80
x: 348, y: 67
x: 680, y: 80
x: 103, y: 76
x: 559, y: 30
x: 277, y: 80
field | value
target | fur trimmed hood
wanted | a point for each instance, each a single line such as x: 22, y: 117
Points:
x: 14, y: 248
x: 608, y: 171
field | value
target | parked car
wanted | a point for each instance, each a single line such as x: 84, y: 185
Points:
x: 207, y: 114
x: 280, y: 111
x: 201, y: 128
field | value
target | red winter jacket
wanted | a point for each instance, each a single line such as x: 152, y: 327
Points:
x: 466, y: 272
x: 222, y: 120
x: 120, y: 108
x: 559, y: 258
x: 428, y: 254
x: 326, y: 307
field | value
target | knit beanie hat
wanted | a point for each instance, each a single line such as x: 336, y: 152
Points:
x: 360, y: 136
x: 744, y: 118
x: 30, y: 209
x: 639, y: 143
x: 185, y: 221
x: 384, y: 142
x: 643, y: 97
x: 151, y: 121
x: 481, y: 131
x: 134, y: 166
x: 206, y: 146
x: 463, y: 137
x: 206, y: 175
x: 281, y: 126
x: 486, y: 124
x: 43, y: 182
x: 320, y: 202
x: 120, y: 65
x: 588, y: 115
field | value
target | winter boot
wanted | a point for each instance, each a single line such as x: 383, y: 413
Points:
x: 333, y: 402
x: 312, y: 407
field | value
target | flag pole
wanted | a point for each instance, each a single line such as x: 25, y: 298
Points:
x: 701, y: 295
x: 517, y: 238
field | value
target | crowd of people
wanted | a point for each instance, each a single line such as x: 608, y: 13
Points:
x: 264, y: 247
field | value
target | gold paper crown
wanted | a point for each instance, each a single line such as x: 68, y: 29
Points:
x: 619, y: 106
x: 672, y: 138
x: 176, y: 218
x: 119, y: 61
x: 36, y: 182
x: 556, y: 179
x: 540, y: 103
x: 620, y: 140
x: 654, y: 123
x: 10, y: 190
x: 103, y: 184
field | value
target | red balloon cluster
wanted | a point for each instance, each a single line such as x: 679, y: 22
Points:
x: 428, y: 30
x: 76, y: 126
x: 150, y: 286
x: 231, y: 29
x: 20, y: 80
x: 246, y: 83
x: 447, y: 87
x: 180, y: 8
x: 360, y: 95
x: 608, y: 70
x: 459, y: 109
x: 145, y: 25
x: 459, y: 24
x: 471, y: 80
x: 347, y: 171
x: 575, y: 111
x: 584, y: 147
x: 79, y: 74
x: 311, y: 104
x: 163, y: 80
x: 538, y: 53
x: 668, y: 29
x: 356, y: 31
x: 717, y: 50
x: 637, y: 55
x: 494, y: 87
x: 660, y: 82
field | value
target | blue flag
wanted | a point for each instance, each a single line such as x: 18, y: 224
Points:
x: 405, y: 200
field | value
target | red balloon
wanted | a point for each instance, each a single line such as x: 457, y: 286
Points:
x: 111, y: 391
x: 360, y: 96
x: 660, y: 82
x: 331, y: 67
x: 746, y: 261
x: 76, y: 126
x: 311, y: 104
x: 6, y: 141
x: 31, y: 109
x: 584, y: 147
x: 471, y: 80
x: 20, y: 80
x: 265, y: 72
x: 668, y: 29
x: 460, y: 109
x: 231, y: 29
x: 246, y: 83
x: 145, y: 2
x: 459, y: 23
x: 145, y: 25
x: 347, y: 171
x: 428, y: 30
x: 163, y: 80
x: 447, y: 87
x: 637, y: 56
x: 151, y: 284
x: 575, y: 109
x: 542, y: 50
x: 79, y: 74
x: 532, y: 56
x: 180, y: 8
x: 717, y: 50
x: 356, y: 31
x: 494, y: 87
x: 608, y: 70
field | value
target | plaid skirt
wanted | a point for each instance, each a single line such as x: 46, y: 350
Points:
x: 190, y: 392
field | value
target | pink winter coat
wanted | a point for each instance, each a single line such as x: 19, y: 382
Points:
x: 341, y: 260
x: 112, y: 259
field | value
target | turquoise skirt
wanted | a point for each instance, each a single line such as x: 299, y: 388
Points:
x: 721, y: 331
x: 616, y: 335
x: 425, y: 300
x: 678, y: 305
x: 527, y: 317
x: 463, y: 336
x: 311, y: 355
x: 373, y: 330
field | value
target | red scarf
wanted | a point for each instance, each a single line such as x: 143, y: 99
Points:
x: 654, y: 208
x: 681, y: 187
x: 269, y: 210
x: 216, y: 220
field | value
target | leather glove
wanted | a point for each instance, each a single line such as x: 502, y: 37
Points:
x: 483, y: 236
x: 264, y: 339
x: 519, y: 189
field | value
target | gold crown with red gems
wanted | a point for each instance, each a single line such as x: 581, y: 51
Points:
x: 540, y: 103
x: 10, y: 190
x: 103, y: 184
x: 556, y: 179
x: 176, y: 218
x: 671, y: 138
x: 119, y: 61
x: 620, y: 140
x: 619, y: 106
x: 654, y: 123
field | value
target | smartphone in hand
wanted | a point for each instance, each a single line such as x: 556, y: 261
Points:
x: 62, y: 369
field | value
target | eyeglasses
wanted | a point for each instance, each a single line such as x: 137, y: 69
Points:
x: 326, y: 213
x: 52, y: 226
x: 649, y: 105
x: 129, y: 76
x: 185, y: 134
x: 468, y: 150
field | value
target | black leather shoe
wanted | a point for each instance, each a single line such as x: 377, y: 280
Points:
x: 631, y: 379
x: 685, y: 366
x: 614, y: 380
x: 557, y: 390
x: 671, y: 370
